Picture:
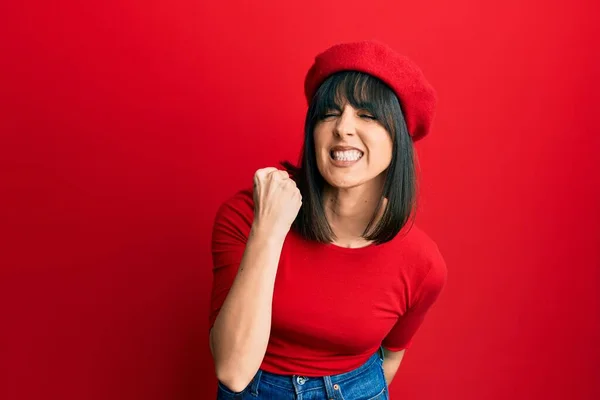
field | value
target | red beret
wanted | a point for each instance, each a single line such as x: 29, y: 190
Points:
x: 417, y: 97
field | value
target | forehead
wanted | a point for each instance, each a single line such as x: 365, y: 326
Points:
x: 352, y: 89
x: 359, y: 90
x: 346, y: 92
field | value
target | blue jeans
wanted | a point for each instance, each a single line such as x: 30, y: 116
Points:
x: 366, y: 382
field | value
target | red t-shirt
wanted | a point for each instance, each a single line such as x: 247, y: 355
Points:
x: 332, y: 306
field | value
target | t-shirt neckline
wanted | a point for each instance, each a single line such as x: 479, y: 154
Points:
x: 353, y: 250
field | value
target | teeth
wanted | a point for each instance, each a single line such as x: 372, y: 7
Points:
x: 349, y: 155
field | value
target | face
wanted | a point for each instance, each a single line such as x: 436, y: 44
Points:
x: 352, y: 148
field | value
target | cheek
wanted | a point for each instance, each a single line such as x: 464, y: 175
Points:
x: 320, y: 142
x: 380, y: 150
x: 389, y: 150
x: 318, y: 137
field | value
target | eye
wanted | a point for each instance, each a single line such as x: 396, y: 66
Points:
x: 368, y: 116
x: 329, y: 114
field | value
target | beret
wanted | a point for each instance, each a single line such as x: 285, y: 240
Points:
x: 416, y: 95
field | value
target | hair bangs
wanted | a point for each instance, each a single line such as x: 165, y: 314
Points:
x: 361, y: 91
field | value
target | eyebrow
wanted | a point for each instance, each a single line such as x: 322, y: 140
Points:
x: 366, y: 106
x: 361, y: 106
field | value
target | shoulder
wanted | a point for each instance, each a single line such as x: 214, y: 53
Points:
x: 241, y: 201
x: 420, y: 251
x: 236, y: 213
x: 417, y: 244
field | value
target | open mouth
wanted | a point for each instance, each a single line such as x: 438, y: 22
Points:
x: 346, y: 155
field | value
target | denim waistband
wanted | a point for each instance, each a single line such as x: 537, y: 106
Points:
x: 300, y: 383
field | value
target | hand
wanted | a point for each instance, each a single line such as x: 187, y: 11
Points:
x: 277, y: 200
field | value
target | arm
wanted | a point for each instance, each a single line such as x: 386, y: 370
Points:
x: 391, y: 362
x: 400, y: 337
x: 240, y: 335
x: 245, y: 261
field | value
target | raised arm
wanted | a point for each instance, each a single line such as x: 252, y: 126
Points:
x: 241, y: 330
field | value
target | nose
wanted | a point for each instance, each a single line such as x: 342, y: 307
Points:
x: 346, y: 124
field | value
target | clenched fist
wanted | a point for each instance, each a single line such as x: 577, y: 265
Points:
x: 277, y: 200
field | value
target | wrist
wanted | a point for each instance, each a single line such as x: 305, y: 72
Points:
x: 267, y: 233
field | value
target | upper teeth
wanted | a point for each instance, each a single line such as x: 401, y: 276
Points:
x: 348, y: 155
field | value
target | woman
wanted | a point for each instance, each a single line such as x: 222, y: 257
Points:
x: 320, y: 281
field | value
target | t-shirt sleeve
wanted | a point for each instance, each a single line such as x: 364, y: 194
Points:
x: 231, y: 228
x: 402, y: 333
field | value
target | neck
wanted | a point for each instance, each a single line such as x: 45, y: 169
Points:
x: 348, y: 211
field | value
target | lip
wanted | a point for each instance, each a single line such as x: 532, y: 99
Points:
x: 344, y: 148
x: 340, y: 163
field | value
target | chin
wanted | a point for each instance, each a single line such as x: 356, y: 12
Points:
x: 341, y: 183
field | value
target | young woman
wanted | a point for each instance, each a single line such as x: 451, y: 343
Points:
x: 321, y: 277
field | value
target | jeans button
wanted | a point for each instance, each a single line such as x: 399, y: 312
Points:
x: 301, y: 380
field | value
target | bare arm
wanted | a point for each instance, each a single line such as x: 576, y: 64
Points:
x: 240, y: 335
x: 391, y: 362
x: 241, y: 330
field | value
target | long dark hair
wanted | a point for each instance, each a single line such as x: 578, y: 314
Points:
x: 367, y: 92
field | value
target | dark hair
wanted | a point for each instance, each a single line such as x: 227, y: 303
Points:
x: 366, y: 92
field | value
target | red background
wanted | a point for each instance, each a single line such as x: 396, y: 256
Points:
x: 125, y: 124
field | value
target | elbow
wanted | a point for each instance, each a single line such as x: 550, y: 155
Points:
x: 234, y: 381
x: 234, y: 375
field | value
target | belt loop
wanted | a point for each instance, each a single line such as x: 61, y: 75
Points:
x: 381, y: 353
x: 255, y: 383
x: 329, y: 388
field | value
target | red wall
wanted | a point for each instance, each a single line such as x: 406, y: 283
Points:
x: 123, y: 127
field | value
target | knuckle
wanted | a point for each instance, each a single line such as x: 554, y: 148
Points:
x: 279, y: 175
x: 264, y: 171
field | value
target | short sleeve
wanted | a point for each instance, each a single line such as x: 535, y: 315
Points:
x: 230, y: 231
x: 402, y: 333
